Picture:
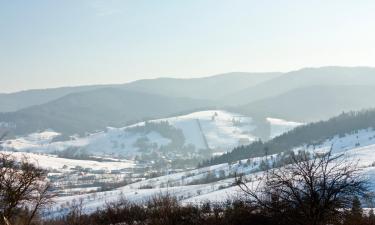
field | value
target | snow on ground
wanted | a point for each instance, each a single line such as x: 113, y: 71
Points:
x: 357, y: 147
x: 53, y: 162
x: 31, y: 140
x: 114, y: 140
x: 117, y: 140
x: 213, y: 128
x: 176, y: 185
x: 280, y: 126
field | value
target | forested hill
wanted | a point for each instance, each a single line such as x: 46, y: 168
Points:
x: 310, y: 134
x: 97, y: 109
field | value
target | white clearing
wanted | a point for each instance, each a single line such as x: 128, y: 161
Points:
x: 51, y: 162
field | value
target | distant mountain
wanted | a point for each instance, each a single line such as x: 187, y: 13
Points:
x: 326, y: 76
x: 312, y: 103
x: 97, y: 109
x: 23, y: 99
x: 305, y: 95
x: 212, y: 87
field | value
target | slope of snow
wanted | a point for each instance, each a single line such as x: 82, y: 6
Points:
x: 53, y: 162
x: 280, y: 126
x: 221, y: 129
x: 32, y: 140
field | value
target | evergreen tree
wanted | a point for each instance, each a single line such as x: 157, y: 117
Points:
x: 371, y: 217
x: 354, y: 217
x: 356, y: 210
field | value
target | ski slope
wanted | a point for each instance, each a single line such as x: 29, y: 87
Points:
x: 221, y: 129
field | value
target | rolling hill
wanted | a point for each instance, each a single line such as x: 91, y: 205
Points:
x: 219, y: 131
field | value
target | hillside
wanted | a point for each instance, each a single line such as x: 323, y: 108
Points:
x: 327, y: 76
x: 312, y: 103
x: 196, y: 136
x: 97, y: 109
x: 216, y: 130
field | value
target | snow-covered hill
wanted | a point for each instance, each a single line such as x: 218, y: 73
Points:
x: 217, y: 130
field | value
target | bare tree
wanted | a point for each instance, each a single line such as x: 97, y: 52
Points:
x: 24, y: 190
x: 312, y: 190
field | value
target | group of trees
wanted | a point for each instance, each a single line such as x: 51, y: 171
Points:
x: 312, y: 190
x: 164, y: 129
x: 165, y: 210
x: 310, y: 134
x: 74, y: 153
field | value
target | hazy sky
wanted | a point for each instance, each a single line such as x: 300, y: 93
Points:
x: 72, y: 42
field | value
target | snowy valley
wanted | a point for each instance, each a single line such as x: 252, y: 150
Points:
x: 217, y: 183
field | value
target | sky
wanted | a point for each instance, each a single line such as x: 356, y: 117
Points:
x: 52, y: 43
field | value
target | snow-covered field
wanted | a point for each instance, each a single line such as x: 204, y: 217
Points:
x: 51, y: 162
x: 34, y: 140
